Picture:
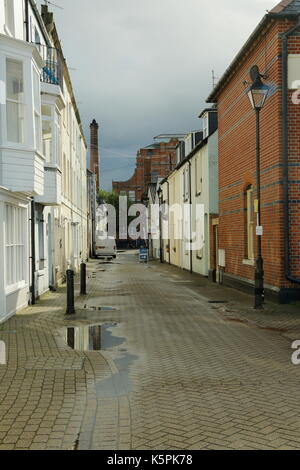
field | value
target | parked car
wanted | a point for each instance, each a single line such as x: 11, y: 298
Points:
x: 106, y: 248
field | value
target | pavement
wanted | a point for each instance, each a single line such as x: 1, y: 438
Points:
x: 155, y: 358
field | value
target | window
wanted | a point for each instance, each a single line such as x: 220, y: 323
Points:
x: 47, y: 132
x: 186, y: 184
x: 9, y: 16
x: 14, y: 244
x: 249, y: 223
x: 131, y: 196
x: 14, y: 101
x: 41, y: 240
x: 198, y: 175
x: 37, y: 110
x: 205, y: 126
x: 57, y: 148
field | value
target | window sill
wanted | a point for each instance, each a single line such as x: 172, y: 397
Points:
x: 14, y: 288
x: 249, y: 262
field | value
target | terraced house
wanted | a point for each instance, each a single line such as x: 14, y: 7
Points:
x: 274, y: 47
x: 43, y: 199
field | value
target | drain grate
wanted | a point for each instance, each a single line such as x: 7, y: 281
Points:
x: 101, y: 309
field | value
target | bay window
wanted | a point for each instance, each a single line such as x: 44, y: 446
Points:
x: 47, y: 132
x: 37, y: 110
x: 15, y: 105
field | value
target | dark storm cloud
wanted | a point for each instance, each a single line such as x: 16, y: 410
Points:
x: 143, y: 67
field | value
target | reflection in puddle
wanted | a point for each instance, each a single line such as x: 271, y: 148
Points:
x: 92, y: 338
x: 119, y: 384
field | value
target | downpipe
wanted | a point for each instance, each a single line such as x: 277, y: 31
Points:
x: 285, y: 143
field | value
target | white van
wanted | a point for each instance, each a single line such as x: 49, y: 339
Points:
x: 106, y: 248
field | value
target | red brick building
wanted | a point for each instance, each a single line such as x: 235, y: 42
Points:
x: 152, y: 162
x: 274, y: 47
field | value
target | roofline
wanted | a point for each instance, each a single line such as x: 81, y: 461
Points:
x: 206, y: 110
x: 188, y: 157
x: 67, y: 77
x: 40, y: 22
x: 263, y: 23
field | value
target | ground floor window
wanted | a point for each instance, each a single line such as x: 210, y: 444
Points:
x: 249, y: 223
x: 15, y: 229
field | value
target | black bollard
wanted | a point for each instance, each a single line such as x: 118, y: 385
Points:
x: 83, y: 279
x: 70, y: 293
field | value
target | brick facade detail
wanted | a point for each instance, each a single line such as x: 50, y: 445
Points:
x: 94, y: 151
x: 153, y: 162
x: 237, y: 168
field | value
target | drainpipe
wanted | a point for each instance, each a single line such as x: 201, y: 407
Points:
x: 285, y: 139
x: 169, y: 240
x: 161, y: 254
x: 191, y: 228
x: 27, y: 21
x: 33, y: 299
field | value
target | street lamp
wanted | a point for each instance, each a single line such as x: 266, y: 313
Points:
x: 257, y: 94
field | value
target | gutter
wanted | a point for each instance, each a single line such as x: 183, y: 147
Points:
x: 191, y: 228
x: 285, y: 144
x: 169, y: 240
x: 27, y: 20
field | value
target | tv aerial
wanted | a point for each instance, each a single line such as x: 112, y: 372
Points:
x: 47, y: 2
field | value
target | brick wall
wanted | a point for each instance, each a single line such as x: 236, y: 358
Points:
x: 237, y: 168
x: 157, y: 161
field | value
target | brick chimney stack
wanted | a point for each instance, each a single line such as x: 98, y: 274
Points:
x: 95, y: 159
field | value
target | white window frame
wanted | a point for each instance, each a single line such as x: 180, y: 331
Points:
x: 198, y: 175
x: 21, y: 103
x: 250, y: 223
x: 14, y: 246
x: 37, y: 109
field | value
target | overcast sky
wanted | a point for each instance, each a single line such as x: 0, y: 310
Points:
x: 144, y: 67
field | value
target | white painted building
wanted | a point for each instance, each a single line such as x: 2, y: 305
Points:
x: 43, y: 200
x: 193, y: 183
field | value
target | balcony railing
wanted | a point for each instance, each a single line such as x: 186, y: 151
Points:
x: 52, y: 73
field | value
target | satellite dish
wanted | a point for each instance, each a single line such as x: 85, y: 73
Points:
x: 254, y: 73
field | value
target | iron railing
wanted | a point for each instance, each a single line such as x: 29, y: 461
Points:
x: 52, y: 73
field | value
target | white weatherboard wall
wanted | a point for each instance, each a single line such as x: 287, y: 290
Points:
x: 58, y: 183
x: 201, y: 173
x: 207, y: 169
x: 13, y: 295
x: 21, y: 159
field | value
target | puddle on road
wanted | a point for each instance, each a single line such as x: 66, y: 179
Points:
x: 92, y: 337
x: 100, y: 337
x: 118, y: 384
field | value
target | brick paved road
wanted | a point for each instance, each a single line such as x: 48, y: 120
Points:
x: 175, y: 372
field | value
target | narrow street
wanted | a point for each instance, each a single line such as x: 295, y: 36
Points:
x: 178, y: 368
